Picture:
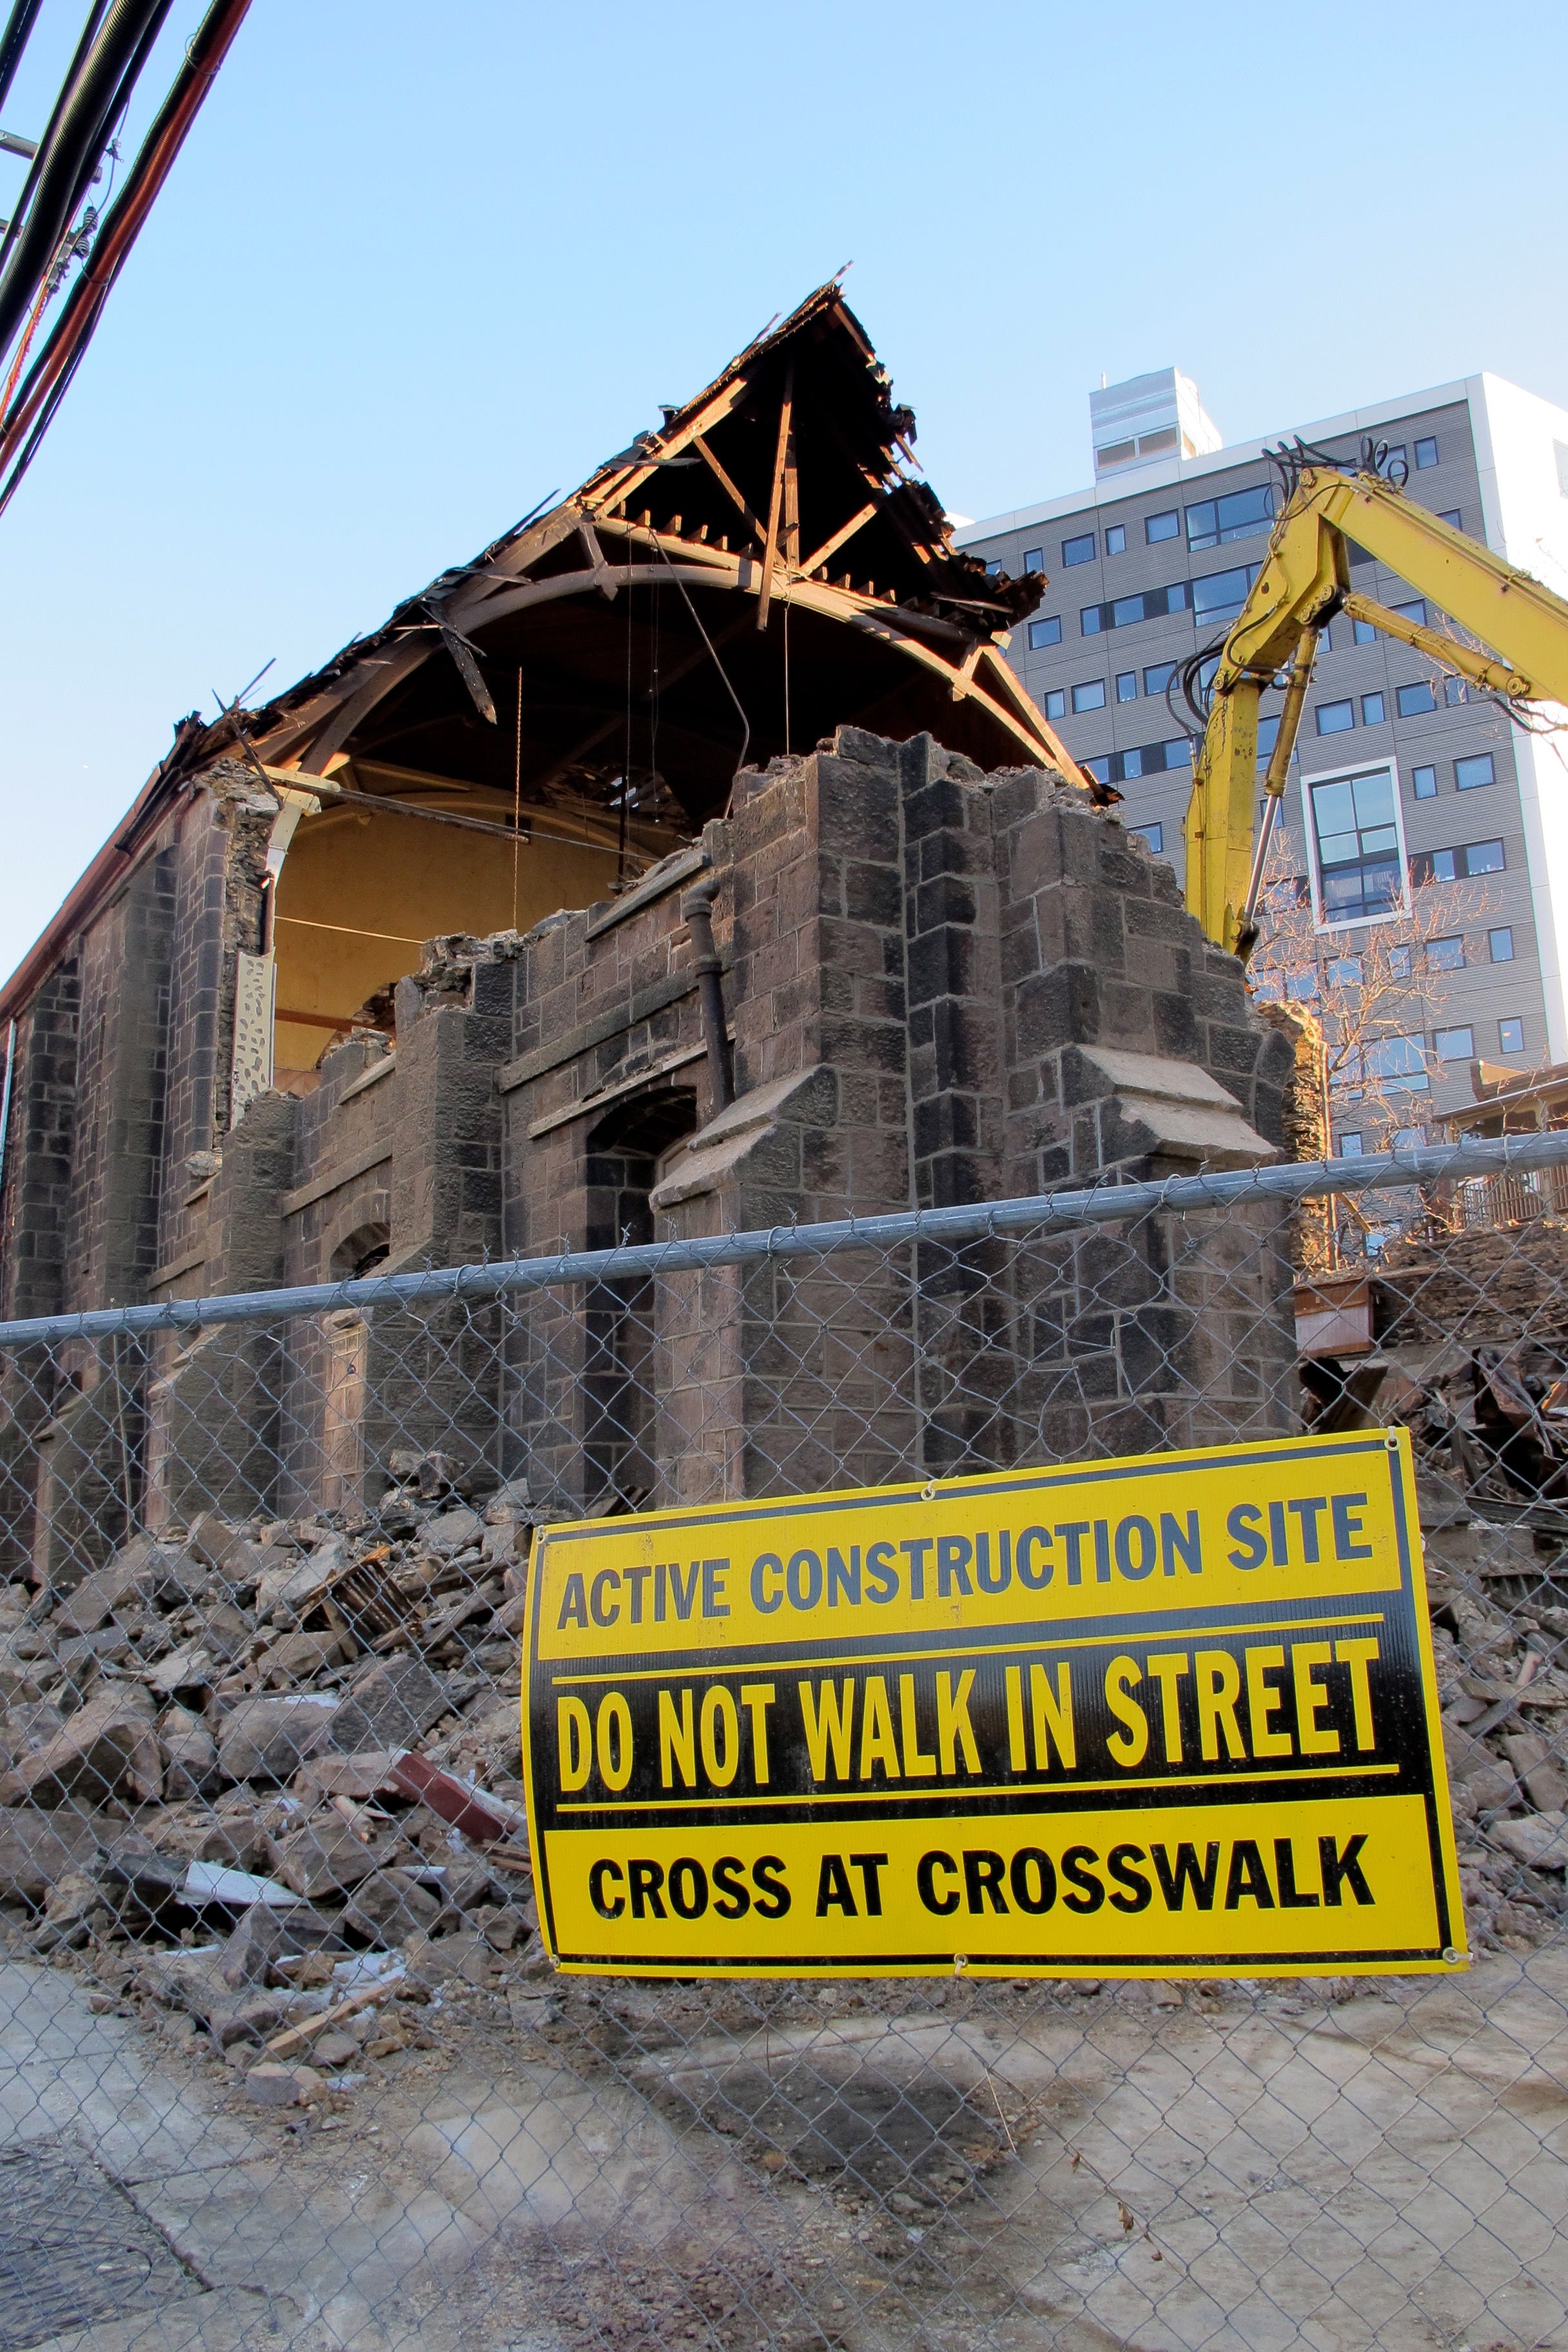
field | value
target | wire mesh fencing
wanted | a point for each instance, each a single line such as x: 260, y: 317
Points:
x: 281, y: 2058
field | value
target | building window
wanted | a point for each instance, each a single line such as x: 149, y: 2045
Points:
x: 1056, y: 702
x: 1445, y: 955
x: 1415, y: 701
x: 1425, y: 455
x: 1471, y: 774
x: 1399, y: 964
x: 1392, y: 465
x: 1511, y: 1037
x: 1158, y: 677
x: 1079, y: 549
x: 1045, y: 633
x: 1350, y: 1146
x: 1414, y: 610
x: 1268, y: 736
x: 1161, y: 526
x: 1325, y: 642
x: 1455, y: 1044
x: 1220, y: 595
x: 993, y: 567
x: 1216, y: 521
x: 1424, y: 784
x: 1154, y: 605
x: 1127, y: 686
x: 1089, y: 696
x: 1394, y: 1061
x: 1356, y: 835
x: 1364, y: 634
x: 1453, y: 517
x: 1500, y: 943
x: 1335, y: 718
x: 1116, y: 539
x: 1301, y: 987
x: 1344, y: 971
x: 1460, y: 864
x: 1372, y: 710
x: 1455, y: 691
x: 1034, y: 559
x: 1154, y: 834
x: 1099, y: 769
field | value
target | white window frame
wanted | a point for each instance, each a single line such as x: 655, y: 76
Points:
x: 1341, y: 773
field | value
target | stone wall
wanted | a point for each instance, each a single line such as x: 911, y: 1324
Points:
x: 940, y: 987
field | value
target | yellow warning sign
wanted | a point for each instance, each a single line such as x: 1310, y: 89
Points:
x: 1152, y: 1717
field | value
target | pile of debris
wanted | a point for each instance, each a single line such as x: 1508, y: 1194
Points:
x: 269, y: 1774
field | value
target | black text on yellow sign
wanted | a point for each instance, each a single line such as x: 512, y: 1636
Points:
x: 1131, y: 1717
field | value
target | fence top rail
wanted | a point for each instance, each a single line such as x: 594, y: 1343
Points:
x: 1036, y: 1214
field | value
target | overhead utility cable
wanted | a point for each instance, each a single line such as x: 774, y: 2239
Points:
x: 21, y: 429
x: 67, y: 157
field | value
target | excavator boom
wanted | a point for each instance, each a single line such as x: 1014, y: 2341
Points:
x: 1303, y: 582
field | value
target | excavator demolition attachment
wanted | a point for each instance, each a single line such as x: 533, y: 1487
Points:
x: 1302, y: 583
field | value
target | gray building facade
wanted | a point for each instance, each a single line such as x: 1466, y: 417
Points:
x: 1152, y: 565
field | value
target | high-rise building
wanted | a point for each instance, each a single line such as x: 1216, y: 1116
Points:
x: 1409, y: 790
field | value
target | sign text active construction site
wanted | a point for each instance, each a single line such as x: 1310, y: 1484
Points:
x: 1169, y: 1714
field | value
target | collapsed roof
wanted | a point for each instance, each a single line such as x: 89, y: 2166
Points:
x: 764, y: 567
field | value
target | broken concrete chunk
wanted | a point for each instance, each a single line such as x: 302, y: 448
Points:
x: 324, y: 1857
x: 391, y: 1707
x: 106, y: 1743
x: 259, y: 1942
x: 1541, y: 1770
x: 269, y: 1738
x: 27, y: 1727
x: 37, y: 1848
x: 332, y: 1775
x: 99, y: 1595
x: 1539, y: 1838
x: 297, y: 1582
x: 193, y: 1667
x: 451, y: 1532
x: 190, y: 1764
x: 299, y: 1657
x: 131, y: 1862
x: 282, y: 2086
x: 390, y: 1906
x: 511, y: 1500
x: 224, y: 1551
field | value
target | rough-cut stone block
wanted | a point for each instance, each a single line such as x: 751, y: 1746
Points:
x: 390, y: 1906
x: 324, y: 1858
x: 269, y: 1738
x: 106, y: 1744
x: 391, y: 1707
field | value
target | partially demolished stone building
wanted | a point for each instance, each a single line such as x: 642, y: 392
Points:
x: 323, y: 1008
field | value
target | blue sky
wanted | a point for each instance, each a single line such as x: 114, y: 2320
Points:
x: 419, y: 265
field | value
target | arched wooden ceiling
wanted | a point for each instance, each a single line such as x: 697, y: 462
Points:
x: 763, y: 568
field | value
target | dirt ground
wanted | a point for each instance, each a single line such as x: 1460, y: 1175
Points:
x: 1340, y: 2166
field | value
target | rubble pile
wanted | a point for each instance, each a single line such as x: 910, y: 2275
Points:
x: 1486, y: 1283
x: 268, y: 1776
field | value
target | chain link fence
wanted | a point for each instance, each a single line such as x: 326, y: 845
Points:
x: 282, y: 2063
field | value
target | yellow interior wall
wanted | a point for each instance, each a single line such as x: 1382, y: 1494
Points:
x: 360, y: 894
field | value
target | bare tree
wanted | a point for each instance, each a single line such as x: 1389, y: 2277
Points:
x: 1379, y: 989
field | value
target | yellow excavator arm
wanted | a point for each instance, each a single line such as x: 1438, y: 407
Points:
x: 1303, y: 582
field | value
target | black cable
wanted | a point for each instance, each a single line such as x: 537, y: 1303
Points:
x: 198, y: 67
x: 77, y: 137
x: 20, y: 209
x: 14, y: 40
